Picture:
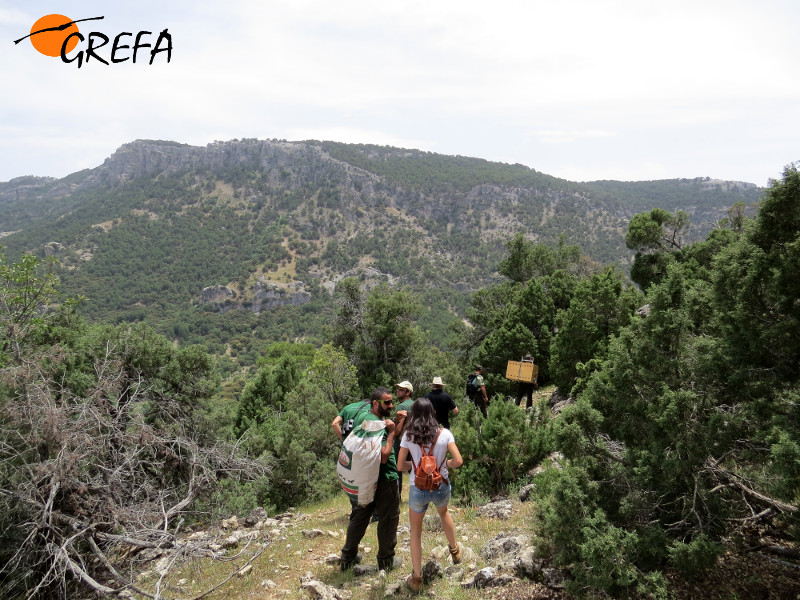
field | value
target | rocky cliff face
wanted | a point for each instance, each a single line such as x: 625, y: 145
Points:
x: 284, y: 162
x: 320, y: 211
x: 263, y: 295
x: 24, y: 188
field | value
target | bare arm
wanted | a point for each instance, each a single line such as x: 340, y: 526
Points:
x: 400, y: 422
x: 455, y: 456
x: 403, y: 464
x: 337, y: 426
x: 388, y: 445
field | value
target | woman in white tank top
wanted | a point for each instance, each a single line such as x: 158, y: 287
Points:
x: 422, y: 430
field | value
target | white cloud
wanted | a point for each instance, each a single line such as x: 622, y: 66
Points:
x: 542, y: 83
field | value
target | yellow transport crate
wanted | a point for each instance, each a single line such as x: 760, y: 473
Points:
x: 522, y: 371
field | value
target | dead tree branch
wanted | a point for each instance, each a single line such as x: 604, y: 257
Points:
x: 713, y: 467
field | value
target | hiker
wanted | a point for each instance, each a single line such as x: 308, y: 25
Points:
x: 442, y: 402
x: 403, y: 391
x: 525, y: 388
x: 476, y: 390
x: 386, y: 503
x: 423, y: 430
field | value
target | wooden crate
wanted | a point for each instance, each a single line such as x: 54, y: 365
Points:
x: 522, y: 371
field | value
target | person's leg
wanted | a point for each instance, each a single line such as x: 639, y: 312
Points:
x: 529, y: 391
x: 387, y: 502
x: 448, y: 525
x: 441, y: 499
x: 482, y: 406
x: 415, y: 522
x: 399, y: 472
x: 356, y: 528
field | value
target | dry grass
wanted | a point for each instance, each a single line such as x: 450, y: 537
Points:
x: 287, y: 557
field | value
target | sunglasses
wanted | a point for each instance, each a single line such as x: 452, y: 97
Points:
x: 387, y: 402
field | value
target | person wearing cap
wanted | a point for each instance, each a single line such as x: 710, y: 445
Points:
x: 442, y: 402
x: 403, y: 391
x: 481, y: 398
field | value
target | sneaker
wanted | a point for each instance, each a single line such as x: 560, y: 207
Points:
x: 455, y: 553
x: 414, y: 583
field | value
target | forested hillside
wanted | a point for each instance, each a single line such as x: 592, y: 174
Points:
x: 675, y: 422
x: 243, y: 241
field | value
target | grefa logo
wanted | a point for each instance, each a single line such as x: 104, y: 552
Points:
x: 56, y: 35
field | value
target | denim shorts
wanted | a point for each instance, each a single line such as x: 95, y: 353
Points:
x: 418, y: 500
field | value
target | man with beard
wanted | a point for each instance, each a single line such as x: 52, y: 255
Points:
x: 386, y: 503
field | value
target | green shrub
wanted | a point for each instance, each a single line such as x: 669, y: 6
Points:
x: 694, y: 558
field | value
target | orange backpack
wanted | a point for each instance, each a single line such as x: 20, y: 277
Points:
x: 426, y: 473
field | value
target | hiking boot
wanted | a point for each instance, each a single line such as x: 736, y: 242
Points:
x: 414, y: 583
x: 389, y: 565
x: 349, y: 563
x: 455, y: 553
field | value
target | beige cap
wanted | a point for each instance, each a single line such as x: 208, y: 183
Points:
x: 405, y: 385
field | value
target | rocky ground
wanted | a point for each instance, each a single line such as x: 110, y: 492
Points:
x: 295, y: 555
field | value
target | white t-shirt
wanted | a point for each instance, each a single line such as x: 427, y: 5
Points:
x: 439, y: 451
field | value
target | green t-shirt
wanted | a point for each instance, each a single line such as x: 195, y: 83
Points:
x: 388, y: 470
x: 349, y: 414
x: 405, y: 405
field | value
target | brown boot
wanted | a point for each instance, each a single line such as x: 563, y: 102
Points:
x: 455, y: 553
x: 414, y: 583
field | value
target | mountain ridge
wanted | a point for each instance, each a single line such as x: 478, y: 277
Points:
x: 144, y: 233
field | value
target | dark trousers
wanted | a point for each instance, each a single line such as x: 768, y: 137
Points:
x: 399, y: 472
x: 387, y: 505
x: 480, y: 404
x: 525, y: 389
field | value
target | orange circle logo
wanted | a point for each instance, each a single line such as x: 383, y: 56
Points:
x: 49, y: 33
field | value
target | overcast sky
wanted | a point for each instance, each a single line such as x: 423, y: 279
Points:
x: 579, y: 89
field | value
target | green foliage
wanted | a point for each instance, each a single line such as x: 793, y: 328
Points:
x: 237, y: 498
x: 378, y: 332
x: 267, y: 392
x: 684, y: 420
x: 24, y: 291
x: 685, y: 423
x: 512, y: 319
x: 335, y: 375
x: 561, y: 515
x: 756, y: 284
x: 471, y: 482
x: 600, y: 307
x: 657, y: 230
x: 694, y: 558
x: 497, y: 450
x: 294, y: 437
x: 654, y: 236
x: 605, y: 557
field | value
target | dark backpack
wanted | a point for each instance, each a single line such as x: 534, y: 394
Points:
x: 426, y: 473
x: 472, y: 385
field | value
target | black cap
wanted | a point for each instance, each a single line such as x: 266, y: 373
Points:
x: 478, y: 368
